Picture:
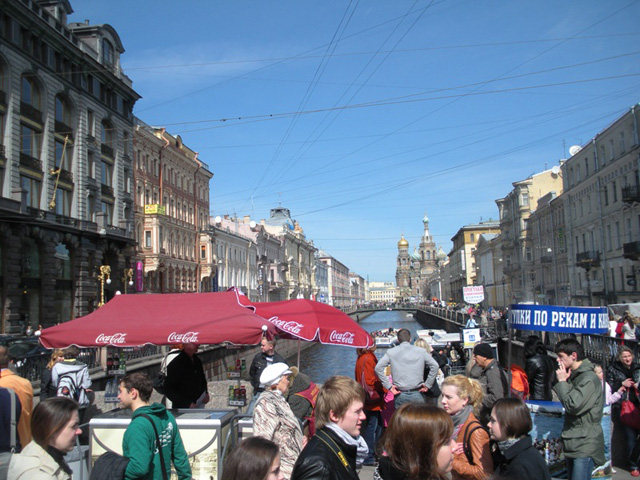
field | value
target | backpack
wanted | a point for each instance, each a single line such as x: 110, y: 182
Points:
x: 5, y: 457
x: 472, y: 427
x: 158, y: 382
x: 519, y: 382
x: 67, y: 386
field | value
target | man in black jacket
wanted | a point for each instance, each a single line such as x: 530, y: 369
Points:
x: 186, y: 384
x: 267, y: 356
x: 540, y: 369
x: 331, y: 453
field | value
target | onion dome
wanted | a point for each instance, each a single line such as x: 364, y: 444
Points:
x: 403, y: 243
x: 441, y: 256
x: 416, y: 255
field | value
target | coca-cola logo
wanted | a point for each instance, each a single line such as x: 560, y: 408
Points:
x: 346, y: 337
x: 290, y: 326
x: 188, y: 337
x: 114, y: 339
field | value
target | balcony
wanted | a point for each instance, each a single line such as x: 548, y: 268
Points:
x: 631, y: 250
x: 30, y: 112
x: 631, y: 194
x: 66, y: 176
x: 106, y: 150
x: 273, y: 286
x: 587, y: 260
x: 29, y: 162
x: 64, y: 129
x: 107, y: 191
x: 546, y: 258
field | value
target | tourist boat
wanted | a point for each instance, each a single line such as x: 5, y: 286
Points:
x: 385, y: 338
x: 438, y: 337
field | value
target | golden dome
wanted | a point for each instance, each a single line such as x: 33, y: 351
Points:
x: 403, y: 242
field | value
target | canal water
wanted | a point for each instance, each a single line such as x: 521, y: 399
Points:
x: 322, y: 361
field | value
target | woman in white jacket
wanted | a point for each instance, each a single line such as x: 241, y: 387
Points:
x: 54, y: 427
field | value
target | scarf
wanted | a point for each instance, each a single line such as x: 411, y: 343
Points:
x: 58, y: 456
x: 506, y: 444
x: 359, y: 443
x: 459, y: 419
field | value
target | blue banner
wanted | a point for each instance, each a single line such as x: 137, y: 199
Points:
x: 552, y: 318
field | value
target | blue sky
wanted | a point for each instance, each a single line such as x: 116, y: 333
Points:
x: 361, y: 116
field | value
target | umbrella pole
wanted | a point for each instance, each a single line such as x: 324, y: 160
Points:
x: 299, y: 353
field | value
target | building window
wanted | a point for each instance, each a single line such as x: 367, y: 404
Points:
x: 147, y: 239
x: 30, y: 93
x: 107, y: 53
x: 127, y: 180
x: 107, y: 209
x: 91, y: 208
x: 91, y: 123
x: 30, y: 141
x: 63, y: 154
x: 203, y: 252
x: 611, y: 150
x: 32, y: 187
x: 605, y: 192
x: 107, y: 173
x: 64, y: 285
x: 91, y: 165
x: 622, y: 145
x: 63, y: 202
x: 614, y: 189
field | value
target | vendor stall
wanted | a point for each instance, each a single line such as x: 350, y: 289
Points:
x: 203, y: 433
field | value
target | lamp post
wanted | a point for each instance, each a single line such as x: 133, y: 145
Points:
x: 127, y: 278
x: 104, y: 277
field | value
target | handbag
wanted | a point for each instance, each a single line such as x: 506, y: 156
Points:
x: 372, y: 397
x: 629, y: 411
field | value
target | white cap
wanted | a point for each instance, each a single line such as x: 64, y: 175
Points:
x: 272, y: 374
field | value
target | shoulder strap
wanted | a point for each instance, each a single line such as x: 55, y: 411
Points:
x: 162, y: 464
x: 12, y: 435
x: 467, y: 436
x: 322, y: 436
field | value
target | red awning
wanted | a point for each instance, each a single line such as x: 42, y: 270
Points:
x: 314, y: 322
x: 163, y: 319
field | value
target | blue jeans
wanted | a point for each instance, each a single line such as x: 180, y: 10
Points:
x: 580, y: 468
x: 372, y: 433
x: 408, y: 397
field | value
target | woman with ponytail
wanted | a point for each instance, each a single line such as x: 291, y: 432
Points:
x: 472, y: 454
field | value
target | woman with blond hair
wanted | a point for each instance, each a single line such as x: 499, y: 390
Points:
x: 47, y: 388
x: 472, y: 454
x: 416, y: 445
x: 434, y: 392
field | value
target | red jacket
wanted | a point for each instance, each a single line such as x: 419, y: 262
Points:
x: 365, y: 366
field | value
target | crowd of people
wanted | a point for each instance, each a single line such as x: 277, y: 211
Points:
x: 403, y: 414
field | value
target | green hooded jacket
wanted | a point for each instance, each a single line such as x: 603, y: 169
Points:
x: 139, y: 445
x: 583, y: 402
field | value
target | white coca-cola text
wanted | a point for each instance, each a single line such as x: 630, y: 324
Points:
x: 188, y: 337
x: 114, y: 339
x: 292, y: 327
x: 346, y: 337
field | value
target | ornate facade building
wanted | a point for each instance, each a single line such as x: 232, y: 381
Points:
x: 174, y: 251
x: 414, y: 271
x: 298, y: 264
x: 66, y: 170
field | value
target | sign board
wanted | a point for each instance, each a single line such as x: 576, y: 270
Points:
x: 154, y: 208
x: 471, y: 336
x: 552, y: 318
x: 473, y: 294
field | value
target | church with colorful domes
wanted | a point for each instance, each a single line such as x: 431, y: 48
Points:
x: 414, y: 270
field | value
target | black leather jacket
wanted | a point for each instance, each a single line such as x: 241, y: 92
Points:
x: 541, y: 373
x: 618, y: 373
x: 319, y: 460
x: 258, y: 364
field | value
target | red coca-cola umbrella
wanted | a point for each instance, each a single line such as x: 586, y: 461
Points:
x: 163, y: 319
x: 314, y: 322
